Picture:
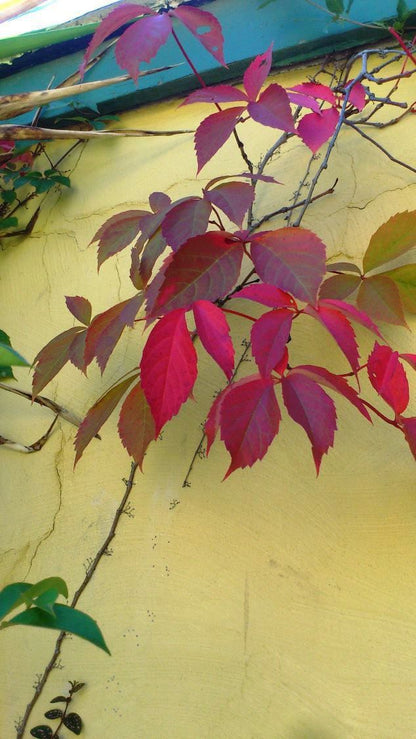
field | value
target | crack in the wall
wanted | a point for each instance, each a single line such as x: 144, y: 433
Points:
x: 51, y: 529
x: 377, y: 197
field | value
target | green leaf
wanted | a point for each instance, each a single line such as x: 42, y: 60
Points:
x: 335, y: 6
x: 73, y: 722
x: 402, y: 10
x: 42, y: 732
x: 405, y: 279
x: 5, y: 369
x: 9, y: 357
x: 54, y: 713
x: 10, y: 595
x: 379, y: 297
x: 8, y: 196
x: 46, y: 601
x: 9, y: 222
x: 65, y: 619
x: 391, y: 240
x: 48, y: 586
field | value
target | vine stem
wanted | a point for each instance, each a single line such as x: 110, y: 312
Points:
x: 87, y: 579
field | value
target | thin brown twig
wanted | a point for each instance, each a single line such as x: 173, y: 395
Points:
x: 87, y: 579
x: 380, y: 147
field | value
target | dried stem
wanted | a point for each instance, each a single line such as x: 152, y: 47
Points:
x: 380, y: 147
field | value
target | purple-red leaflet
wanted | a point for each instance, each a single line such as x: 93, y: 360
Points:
x: 107, y: 327
x: 357, y: 95
x: 310, y: 407
x: 250, y: 419
x: 214, y: 333
x: 98, y: 414
x: 233, y: 198
x: 257, y: 72
x: 136, y: 426
x: 340, y: 328
x: 113, y: 21
x: 334, y: 382
x: 159, y: 201
x: 213, y: 132
x: 168, y: 367
x: 339, y: 287
x: 408, y: 426
x: 184, y: 220
x: 267, y: 295
x: 117, y: 233
x: 80, y: 308
x: 269, y: 336
x: 316, y: 128
x: 76, y: 352
x: 273, y: 109
x: 216, y: 94
x: 352, y: 312
x: 292, y: 259
x: 141, y: 42
x: 297, y: 98
x: 206, y: 267
x: 379, y: 297
x: 410, y: 359
x: 315, y: 90
x: 52, y: 358
x: 205, y: 27
x: 155, y: 246
x: 388, y: 377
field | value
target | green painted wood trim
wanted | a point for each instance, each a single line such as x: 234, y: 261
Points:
x: 12, y: 47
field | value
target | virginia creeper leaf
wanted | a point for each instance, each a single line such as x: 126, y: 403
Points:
x: 136, y: 426
x: 316, y: 128
x: 206, y: 267
x: 168, y: 367
x: 340, y: 329
x: 292, y: 259
x: 343, y: 267
x: 134, y: 273
x: 352, y: 312
x: 212, y: 424
x: 107, y: 327
x: 214, y: 333
x: 315, y: 90
x: 273, y: 109
x: 117, y: 233
x: 339, y: 286
x: 76, y: 351
x: 159, y: 201
x: 404, y: 278
x: 98, y: 414
x: 334, y: 382
x: 205, y: 27
x: 250, y: 418
x: 391, y: 240
x: 257, y: 72
x: 113, y: 21
x: 269, y: 336
x: 357, y: 95
x: 408, y: 426
x: 52, y: 358
x: 311, y: 407
x: 155, y: 246
x: 80, y: 308
x: 304, y: 101
x: 213, y: 132
x: 410, y: 359
x: 141, y: 42
x: 379, y: 297
x: 267, y: 295
x: 216, y: 94
x: 388, y: 378
x: 187, y: 219
x: 233, y: 198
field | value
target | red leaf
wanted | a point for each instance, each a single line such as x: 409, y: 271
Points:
x: 340, y: 328
x: 379, y: 297
x: 98, y: 414
x: 353, y: 313
x: 106, y: 329
x: 113, y: 21
x: 310, y: 407
x: 304, y: 101
x: 216, y: 94
x: 410, y: 359
x: 257, y: 72
x: 134, y: 273
x: 117, y: 233
x: 273, y: 109
x: 315, y: 90
x: 267, y: 295
x: 334, y: 382
x: 213, y: 132
x: 233, y: 198
x: 316, y: 128
x: 136, y: 426
x: 212, y: 423
x: 388, y: 377
x: 292, y: 259
x: 52, y: 358
x: 168, y: 367
x: 214, y: 332
x: 77, y: 351
x: 339, y: 286
x: 159, y: 201
x: 357, y: 95
x: 250, y: 419
x: 408, y: 426
x: 391, y: 240
x: 80, y: 308
x: 188, y: 218
x: 141, y: 42
x: 205, y: 268
x: 269, y: 336
x: 205, y: 27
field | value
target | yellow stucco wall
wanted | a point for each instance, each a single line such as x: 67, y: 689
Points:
x: 271, y: 605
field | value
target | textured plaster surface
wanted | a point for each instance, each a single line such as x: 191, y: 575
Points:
x: 271, y: 605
